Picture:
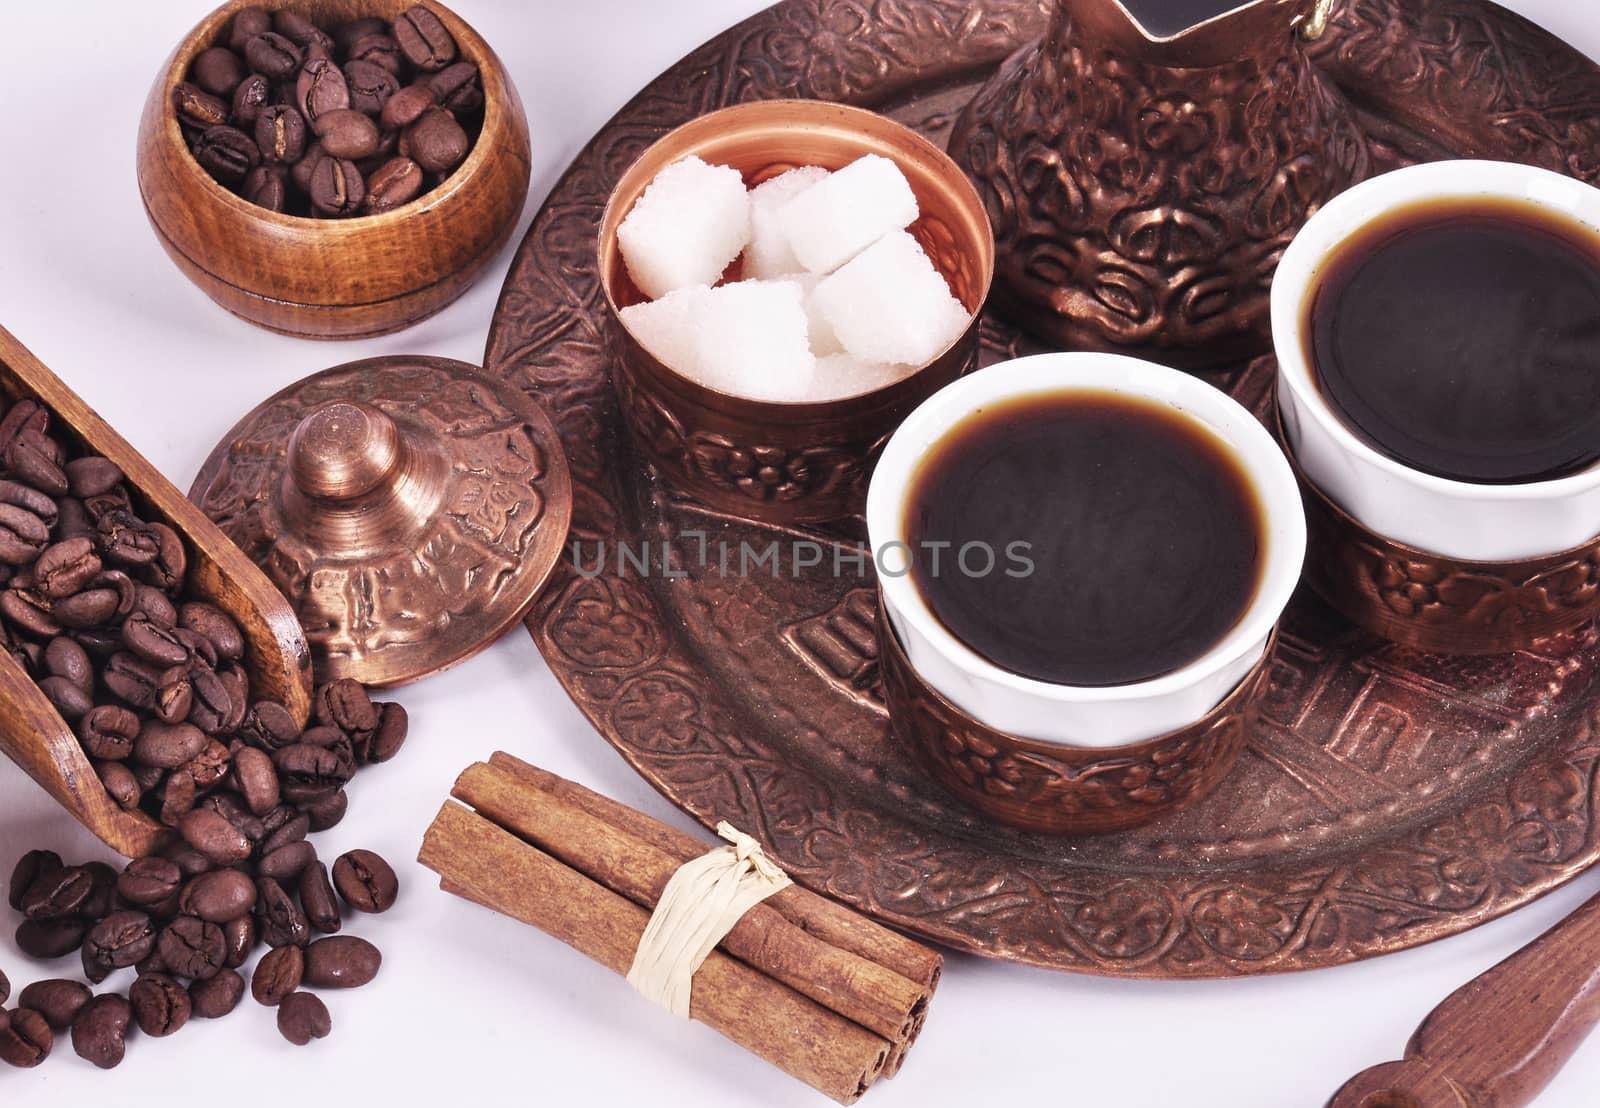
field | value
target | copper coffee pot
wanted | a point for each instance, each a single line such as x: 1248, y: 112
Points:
x: 1143, y: 184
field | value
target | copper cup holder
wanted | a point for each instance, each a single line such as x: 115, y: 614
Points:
x: 1438, y: 604
x: 1059, y: 789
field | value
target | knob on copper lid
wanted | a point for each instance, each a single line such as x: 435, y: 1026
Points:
x: 411, y: 509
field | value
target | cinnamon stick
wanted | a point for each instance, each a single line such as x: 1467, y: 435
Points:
x: 832, y: 923
x: 860, y: 990
x: 833, y: 1055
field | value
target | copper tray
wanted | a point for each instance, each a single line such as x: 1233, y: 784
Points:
x: 1388, y: 799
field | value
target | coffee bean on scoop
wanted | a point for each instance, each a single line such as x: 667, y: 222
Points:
x: 366, y: 881
x: 25, y: 1038
x: 216, y: 996
x: 218, y: 896
x: 120, y: 784
x: 247, y: 24
x: 119, y: 940
x: 267, y: 186
x: 337, y: 187
x: 218, y: 71
x: 436, y: 141
x: 268, y: 726
x: 458, y: 87
x: 215, y: 624
x: 160, y: 1005
x: 70, y: 700
x: 66, y: 658
x: 215, y: 837
x: 198, y: 108
x: 227, y: 154
x: 256, y: 779
x: 303, y: 1017
x: 278, y: 974
x: 346, y: 35
x: 424, y: 40
x: 370, y: 86
x: 403, y: 108
x: 22, y: 535
x: 348, y: 134
x: 57, y: 999
x: 192, y: 947
x: 341, y: 962
x: 100, y: 1030
x: 43, y: 940
x: 320, y: 89
x: 133, y: 681
x: 168, y: 745
x: 317, y: 899
x: 211, y: 705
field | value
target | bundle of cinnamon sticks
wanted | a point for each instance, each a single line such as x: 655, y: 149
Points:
x: 821, y: 992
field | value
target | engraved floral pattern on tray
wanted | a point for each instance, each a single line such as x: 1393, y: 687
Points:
x: 1387, y: 798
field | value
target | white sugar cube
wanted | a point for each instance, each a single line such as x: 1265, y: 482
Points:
x: 751, y: 339
x: 823, y: 341
x: 691, y: 221
x: 835, y: 219
x: 841, y: 375
x: 769, y: 254
x: 667, y: 327
x: 891, y: 305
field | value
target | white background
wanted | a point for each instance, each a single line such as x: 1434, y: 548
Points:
x: 471, y: 1007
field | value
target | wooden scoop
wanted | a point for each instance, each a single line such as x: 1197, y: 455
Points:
x: 276, y: 658
x: 1499, y: 1039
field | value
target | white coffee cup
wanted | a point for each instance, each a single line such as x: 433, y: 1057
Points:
x: 1089, y: 717
x: 1456, y: 519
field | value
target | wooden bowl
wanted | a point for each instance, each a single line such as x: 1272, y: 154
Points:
x: 335, y: 278
x: 276, y: 656
x: 805, y: 462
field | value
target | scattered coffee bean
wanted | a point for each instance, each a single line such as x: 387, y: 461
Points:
x: 278, y: 974
x: 217, y: 996
x: 160, y: 1005
x: 25, y: 1038
x: 43, y: 940
x: 120, y: 940
x: 341, y: 962
x: 100, y: 1030
x: 318, y: 899
x: 57, y: 999
x: 5, y: 989
x: 366, y: 881
x: 303, y: 1017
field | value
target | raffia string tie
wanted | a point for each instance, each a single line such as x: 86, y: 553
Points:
x: 702, y: 902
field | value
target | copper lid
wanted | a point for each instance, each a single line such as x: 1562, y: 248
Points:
x: 411, y: 508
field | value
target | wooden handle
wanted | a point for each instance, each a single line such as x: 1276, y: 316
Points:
x: 1499, y: 1039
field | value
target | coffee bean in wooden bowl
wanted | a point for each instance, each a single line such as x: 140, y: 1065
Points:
x: 333, y: 168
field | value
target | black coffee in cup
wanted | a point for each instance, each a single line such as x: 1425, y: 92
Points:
x: 1462, y: 339
x: 1085, y: 538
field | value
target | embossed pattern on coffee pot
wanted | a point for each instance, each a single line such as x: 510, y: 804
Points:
x: 1142, y: 190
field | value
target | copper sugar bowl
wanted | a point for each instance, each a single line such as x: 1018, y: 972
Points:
x: 809, y: 461
x: 1142, y: 188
